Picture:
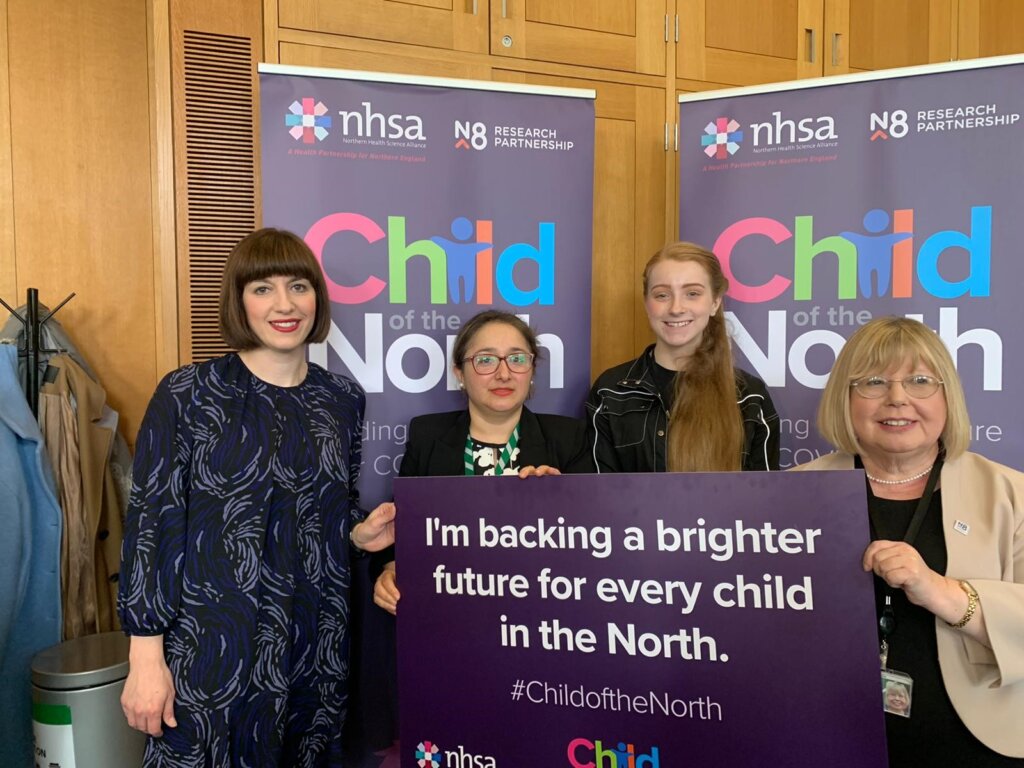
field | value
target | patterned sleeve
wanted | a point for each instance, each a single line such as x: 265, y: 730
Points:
x: 152, y: 552
x: 355, y: 457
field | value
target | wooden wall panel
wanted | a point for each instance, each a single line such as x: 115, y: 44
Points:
x: 8, y: 272
x: 81, y: 168
x: 165, y: 278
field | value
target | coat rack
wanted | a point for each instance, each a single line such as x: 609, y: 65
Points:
x: 33, y: 333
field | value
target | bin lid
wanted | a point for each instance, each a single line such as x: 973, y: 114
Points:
x: 85, y: 662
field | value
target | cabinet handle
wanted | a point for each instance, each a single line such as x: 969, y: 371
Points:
x: 810, y: 45
x: 475, y: 6
x: 504, y: 9
x: 835, y: 49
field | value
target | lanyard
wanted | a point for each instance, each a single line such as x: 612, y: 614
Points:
x: 504, y: 459
x: 887, y: 621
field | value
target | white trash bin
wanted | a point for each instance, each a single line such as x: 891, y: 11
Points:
x: 76, y: 705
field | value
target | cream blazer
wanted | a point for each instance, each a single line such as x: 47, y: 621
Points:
x: 986, y: 685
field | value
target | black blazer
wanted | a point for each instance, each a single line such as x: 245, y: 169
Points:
x: 437, y: 448
x: 437, y: 444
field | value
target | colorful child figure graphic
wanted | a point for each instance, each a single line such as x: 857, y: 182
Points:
x: 874, y: 252
x: 461, y: 258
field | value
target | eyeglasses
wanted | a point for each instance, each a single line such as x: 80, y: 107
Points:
x: 918, y: 386
x: 517, y: 362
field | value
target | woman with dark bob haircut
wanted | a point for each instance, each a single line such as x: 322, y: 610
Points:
x: 947, y: 549
x: 494, y: 358
x: 235, y: 566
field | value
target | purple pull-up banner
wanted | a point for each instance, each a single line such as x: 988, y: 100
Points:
x: 637, y: 621
x: 834, y: 201
x: 428, y: 200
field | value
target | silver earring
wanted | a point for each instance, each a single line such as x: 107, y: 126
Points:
x: 462, y: 385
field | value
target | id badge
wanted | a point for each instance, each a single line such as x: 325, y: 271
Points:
x: 897, y: 692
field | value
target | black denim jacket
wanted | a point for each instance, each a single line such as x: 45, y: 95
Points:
x: 627, y: 420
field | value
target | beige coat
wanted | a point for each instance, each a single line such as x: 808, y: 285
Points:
x: 93, y: 522
x: 986, y: 685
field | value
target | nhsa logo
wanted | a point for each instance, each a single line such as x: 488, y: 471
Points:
x: 307, y: 120
x: 429, y: 755
x: 370, y: 124
x: 584, y: 753
x: 722, y: 137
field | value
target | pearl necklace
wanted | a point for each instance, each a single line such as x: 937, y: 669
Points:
x: 901, y: 481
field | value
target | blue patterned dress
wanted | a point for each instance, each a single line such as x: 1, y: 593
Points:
x: 236, y: 550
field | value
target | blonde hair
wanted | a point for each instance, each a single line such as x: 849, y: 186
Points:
x: 705, y: 427
x: 875, y: 348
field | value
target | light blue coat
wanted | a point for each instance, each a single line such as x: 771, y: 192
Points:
x: 30, y: 530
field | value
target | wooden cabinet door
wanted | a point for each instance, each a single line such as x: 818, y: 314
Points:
x: 746, y: 42
x: 456, y: 25
x: 990, y: 28
x: 631, y: 185
x: 864, y: 35
x: 624, y: 35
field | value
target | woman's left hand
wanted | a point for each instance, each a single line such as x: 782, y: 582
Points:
x: 901, y: 566
x: 377, y: 531
x: 543, y: 469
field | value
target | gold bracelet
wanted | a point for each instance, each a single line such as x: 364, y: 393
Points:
x: 972, y: 605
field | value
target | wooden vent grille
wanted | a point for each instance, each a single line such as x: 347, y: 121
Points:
x: 220, y: 171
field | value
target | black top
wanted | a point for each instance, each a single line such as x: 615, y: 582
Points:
x: 628, y: 410
x: 665, y: 382
x: 933, y: 735
x: 437, y: 444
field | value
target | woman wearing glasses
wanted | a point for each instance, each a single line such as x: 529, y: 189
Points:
x: 947, y: 549
x: 494, y: 359
x: 682, y: 406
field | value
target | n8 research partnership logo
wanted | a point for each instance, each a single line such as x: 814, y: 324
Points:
x: 722, y: 138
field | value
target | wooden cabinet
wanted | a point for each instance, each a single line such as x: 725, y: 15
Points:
x: 455, y: 25
x: 990, y: 28
x: 863, y: 35
x: 747, y: 42
x: 623, y: 35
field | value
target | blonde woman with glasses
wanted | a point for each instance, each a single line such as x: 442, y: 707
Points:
x: 946, y: 551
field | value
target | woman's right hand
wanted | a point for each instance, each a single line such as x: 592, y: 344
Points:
x: 385, y: 591
x: 148, y: 696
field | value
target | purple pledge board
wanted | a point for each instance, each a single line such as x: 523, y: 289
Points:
x: 637, y: 621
